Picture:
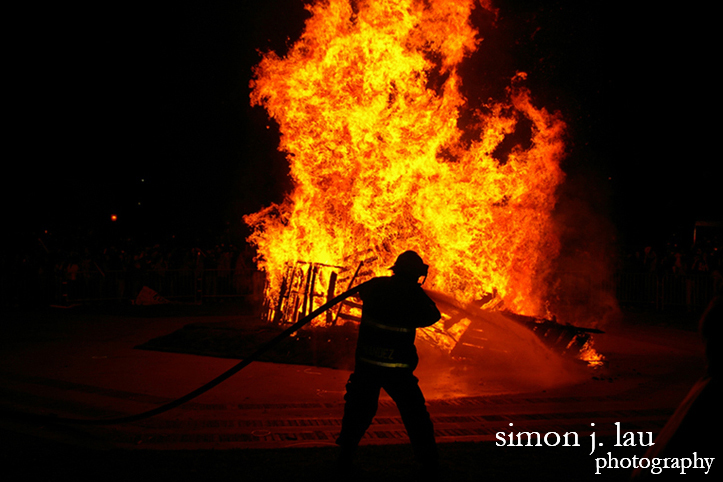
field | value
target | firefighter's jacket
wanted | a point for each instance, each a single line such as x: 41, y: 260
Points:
x: 393, y: 309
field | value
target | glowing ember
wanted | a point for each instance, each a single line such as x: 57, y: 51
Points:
x: 589, y: 355
x: 368, y: 102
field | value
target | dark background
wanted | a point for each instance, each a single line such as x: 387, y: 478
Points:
x: 114, y: 105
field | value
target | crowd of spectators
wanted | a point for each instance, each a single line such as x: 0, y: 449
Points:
x: 672, y: 259
x: 54, y: 272
x: 57, y: 271
x: 672, y: 276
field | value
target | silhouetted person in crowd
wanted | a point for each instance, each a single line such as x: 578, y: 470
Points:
x: 393, y: 308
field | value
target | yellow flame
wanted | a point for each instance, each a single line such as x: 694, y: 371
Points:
x: 378, y: 161
x: 591, y: 356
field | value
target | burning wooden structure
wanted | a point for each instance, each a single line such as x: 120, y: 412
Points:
x: 387, y: 155
x: 464, y: 337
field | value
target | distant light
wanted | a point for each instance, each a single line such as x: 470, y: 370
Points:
x: 113, y: 217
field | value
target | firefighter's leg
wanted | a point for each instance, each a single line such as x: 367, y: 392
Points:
x: 404, y: 389
x: 362, y: 398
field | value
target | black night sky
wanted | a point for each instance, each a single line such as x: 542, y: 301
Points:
x: 116, y: 105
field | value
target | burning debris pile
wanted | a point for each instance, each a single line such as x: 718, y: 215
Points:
x: 469, y: 331
x: 369, y: 107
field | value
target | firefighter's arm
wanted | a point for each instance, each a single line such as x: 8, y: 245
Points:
x: 428, y: 313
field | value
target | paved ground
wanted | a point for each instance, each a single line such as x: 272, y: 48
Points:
x: 274, y: 421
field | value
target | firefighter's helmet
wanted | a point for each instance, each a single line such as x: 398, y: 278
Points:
x: 410, y: 263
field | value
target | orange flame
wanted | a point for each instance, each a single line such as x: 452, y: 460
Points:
x: 368, y: 103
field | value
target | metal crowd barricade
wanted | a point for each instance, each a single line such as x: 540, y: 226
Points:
x: 664, y: 291
x: 648, y: 291
x: 187, y: 285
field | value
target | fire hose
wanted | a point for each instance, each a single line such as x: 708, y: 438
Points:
x: 195, y: 393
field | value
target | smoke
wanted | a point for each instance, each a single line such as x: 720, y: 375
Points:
x: 582, y: 283
x: 512, y: 359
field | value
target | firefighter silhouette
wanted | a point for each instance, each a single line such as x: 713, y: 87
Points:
x: 393, y: 308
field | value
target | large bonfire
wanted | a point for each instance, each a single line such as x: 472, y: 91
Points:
x: 368, y: 104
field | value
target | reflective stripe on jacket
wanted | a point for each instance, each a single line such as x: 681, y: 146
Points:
x: 392, y: 311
